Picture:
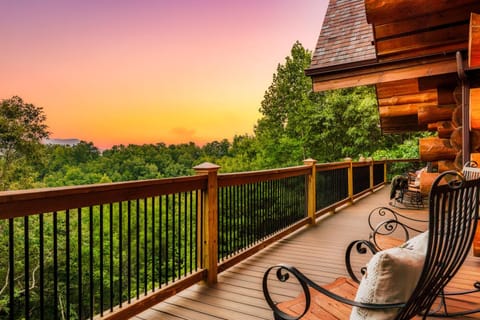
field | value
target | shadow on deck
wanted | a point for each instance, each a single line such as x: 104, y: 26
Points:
x: 317, y: 251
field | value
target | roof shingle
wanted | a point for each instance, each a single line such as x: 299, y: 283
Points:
x: 346, y: 37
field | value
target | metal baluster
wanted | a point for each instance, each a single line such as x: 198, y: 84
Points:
x: 201, y: 227
x: 192, y: 263
x: 79, y: 257
x: 174, y: 259
x: 11, y: 265
x: 185, y: 231
x: 137, y: 253
x: 42, y: 267
x: 233, y: 225
x: 250, y: 214
x: 129, y: 251
x: 67, y: 262
x: 110, y: 225
x: 243, y: 216
x: 91, y: 261
x: 55, y: 265
x: 27, y: 267
x: 120, y: 253
x: 222, y: 223
x: 160, y: 211
x: 102, y: 286
x: 153, y: 244
x: 166, y: 238
x: 145, y: 246
x: 257, y: 216
x: 179, y: 244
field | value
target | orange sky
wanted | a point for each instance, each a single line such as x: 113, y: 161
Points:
x: 121, y: 71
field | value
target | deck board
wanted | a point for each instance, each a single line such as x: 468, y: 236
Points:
x: 318, y: 251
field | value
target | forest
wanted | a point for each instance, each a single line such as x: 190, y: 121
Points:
x: 295, y: 124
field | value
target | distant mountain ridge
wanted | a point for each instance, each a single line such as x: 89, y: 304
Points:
x: 63, y: 142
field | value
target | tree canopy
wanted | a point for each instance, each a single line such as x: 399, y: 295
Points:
x: 298, y: 123
x: 22, y: 128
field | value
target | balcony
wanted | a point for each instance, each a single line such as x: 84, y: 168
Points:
x: 184, y: 248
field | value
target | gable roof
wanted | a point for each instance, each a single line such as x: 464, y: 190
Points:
x: 346, y: 37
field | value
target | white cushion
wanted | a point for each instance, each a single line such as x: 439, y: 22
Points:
x: 391, y: 277
x: 418, y: 243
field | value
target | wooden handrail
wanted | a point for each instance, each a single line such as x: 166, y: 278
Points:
x: 233, y: 179
x: 205, y: 186
x: 36, y: 201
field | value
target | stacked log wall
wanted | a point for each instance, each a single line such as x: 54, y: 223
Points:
x: 446, y: 147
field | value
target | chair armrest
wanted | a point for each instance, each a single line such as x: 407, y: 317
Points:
x: 390, y: 233
x: 283, y: 274
x: 363, y: 248
x: 381, y: 214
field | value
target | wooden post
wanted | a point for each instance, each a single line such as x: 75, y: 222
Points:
x: 385, y: 171
x: 311, y: 189
x: 209, y: 220
x: 465, y: 107
x: 372, y: 183
x: 350, y: 178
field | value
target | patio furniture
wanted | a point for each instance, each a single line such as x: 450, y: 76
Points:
x: 391, y: 228
x: 400, y: 282
x: 405, y: 192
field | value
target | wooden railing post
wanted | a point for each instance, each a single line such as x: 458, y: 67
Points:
x: 350, y: 179
x: 372, y: 182
x: 311, y: 189
x: 385, y: 170
x: 209, y: 220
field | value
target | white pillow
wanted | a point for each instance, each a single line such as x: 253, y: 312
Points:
x: 418, y: 243
x: 391, y: 277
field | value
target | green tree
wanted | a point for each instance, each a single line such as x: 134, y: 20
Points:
x: 22, y: 128
x: 288, y: 109
x: 242, y: 155
x: 216, y: 149
x: 298, y: 123
x: 349, y: 124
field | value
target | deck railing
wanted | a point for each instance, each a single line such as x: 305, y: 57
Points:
x: 113, y: 250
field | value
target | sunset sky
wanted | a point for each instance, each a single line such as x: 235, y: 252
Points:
x: 172, y: 71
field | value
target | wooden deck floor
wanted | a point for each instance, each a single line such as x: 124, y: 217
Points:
x: 317, y: 251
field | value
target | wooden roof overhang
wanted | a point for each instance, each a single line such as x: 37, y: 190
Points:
x: 404, y: 87
x: 415, y: 65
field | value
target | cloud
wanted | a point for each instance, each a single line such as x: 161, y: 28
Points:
x: 183, y: 134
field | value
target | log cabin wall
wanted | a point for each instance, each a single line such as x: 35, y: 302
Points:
x: 415, y: 28
x: 416, y: 70
x: 410, y: 28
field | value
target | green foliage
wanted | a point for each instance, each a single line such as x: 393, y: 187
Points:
x: 350, y: 124
x: 285, y: 131
x: 68, y: 241
x: 407, y: 149
x: 297, y: 123
x: 22, y: 128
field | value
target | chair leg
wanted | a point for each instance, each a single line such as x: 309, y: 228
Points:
x: 444, y: 304
x: 277, y: 317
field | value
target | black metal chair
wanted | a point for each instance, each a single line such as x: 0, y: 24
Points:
x: 389, y: 227
x: 453, y: 212
x: 405, y: 193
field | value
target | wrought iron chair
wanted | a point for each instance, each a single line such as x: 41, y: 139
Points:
x: 391, y: 228
x: 405, y: 193
x: 453, y: 212
x: 394, y: 229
